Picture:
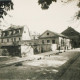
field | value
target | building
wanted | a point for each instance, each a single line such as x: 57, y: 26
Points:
x: 55, y: 39
x: 73, y: 35
x: 16, y: 40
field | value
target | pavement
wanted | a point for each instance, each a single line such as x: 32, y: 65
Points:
x: 13, y: 60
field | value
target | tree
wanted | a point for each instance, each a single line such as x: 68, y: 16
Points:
x: 5, y: 5
x: 46, y: 3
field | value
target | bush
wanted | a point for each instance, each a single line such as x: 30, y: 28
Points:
x: 5, y: 52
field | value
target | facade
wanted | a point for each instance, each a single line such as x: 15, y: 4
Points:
x: 55, y: 39
x: 13, y: 39
x: 18, y: 41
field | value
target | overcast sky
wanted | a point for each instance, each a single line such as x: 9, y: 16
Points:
x: 57, y: 18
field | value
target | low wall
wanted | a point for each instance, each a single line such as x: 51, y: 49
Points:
x: 11, y: 50
x: 40, y: 48
x: 26, y: 50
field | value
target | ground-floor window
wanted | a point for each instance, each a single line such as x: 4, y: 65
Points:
x: 48, y: 41
x: 53, y: 41
x: 7, y: 40
x: 14, y: 39
x: 2, y: 40
x: 19, y: 39
x: 42, y: 41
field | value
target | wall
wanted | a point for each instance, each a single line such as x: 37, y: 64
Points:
x: 26, y: 50
x: 45, y: 40
x: 51, y: 34
x: 25, y: 34
x: 40, y: 48
x: 66, y: 45
x: 13, y: 50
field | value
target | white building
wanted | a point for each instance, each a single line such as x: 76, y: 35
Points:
x: 56, y: 39
x: 13, y: 40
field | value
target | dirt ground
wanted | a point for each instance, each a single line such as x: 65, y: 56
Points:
x: 50, y: 68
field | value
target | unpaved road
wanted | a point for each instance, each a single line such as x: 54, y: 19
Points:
x: 73, y: 72
x: 64, y: 66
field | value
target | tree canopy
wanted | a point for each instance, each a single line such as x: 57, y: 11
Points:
x: 46, y: 3
x: 5, y: 5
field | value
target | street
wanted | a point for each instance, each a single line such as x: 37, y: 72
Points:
x: 73, y: 72
x: 65, y: 66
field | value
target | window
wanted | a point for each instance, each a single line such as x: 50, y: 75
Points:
x: 19, y: 39
x: 19, y: 30
x: 6, y: 33
x: 2, y: 40
x: 47, y: 33
x: 3, y: 34
x: 48, y: 41
x: 62, y: 42
x: 14, y: 39
x: 14, y: 32
x: 42, y: 41
x: 9, y: 32
x: 7, y: 40
x: 53, y: 41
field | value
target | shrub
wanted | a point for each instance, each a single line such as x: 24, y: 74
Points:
x: 5, y: 52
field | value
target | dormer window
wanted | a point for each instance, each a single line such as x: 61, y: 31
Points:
x: 19, y: 31
x: 7, y: 40
x: 10, y: 32
x: 3, y: 34
x: 19, y: 39
x: 2, y: 40
x: 14, y: 32
x: 47, y: 33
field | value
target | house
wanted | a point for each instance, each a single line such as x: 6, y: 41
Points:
x: 73, y: 35
x: 55, y: 40
x: 16, y: 40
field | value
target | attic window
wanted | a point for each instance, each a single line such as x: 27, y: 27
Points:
x: 10, y: 32
x: 14, y: 32
x: 19, y: 30
x: 47, y: 33
x: 3, y: 34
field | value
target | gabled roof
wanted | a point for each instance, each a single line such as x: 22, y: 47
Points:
x: 70, y: 32
x: 53, y: 34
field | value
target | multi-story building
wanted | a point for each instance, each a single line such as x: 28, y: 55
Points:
x: 17, y: 40
x: 13, y: 39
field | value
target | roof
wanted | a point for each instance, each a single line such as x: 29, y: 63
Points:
x: 54, y: 34
x: 70, y: 32
x: 13, y: 28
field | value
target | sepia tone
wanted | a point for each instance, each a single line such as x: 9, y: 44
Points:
x: 39, y: 40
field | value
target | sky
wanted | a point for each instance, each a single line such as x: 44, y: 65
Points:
x: 27, y: 12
